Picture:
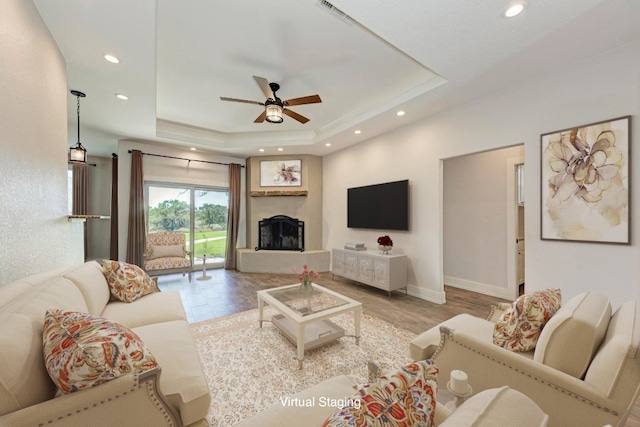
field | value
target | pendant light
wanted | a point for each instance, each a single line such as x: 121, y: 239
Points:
x: 77, y: 153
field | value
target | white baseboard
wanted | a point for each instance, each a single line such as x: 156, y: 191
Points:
x: 482, y: 288
x: 426, y: 294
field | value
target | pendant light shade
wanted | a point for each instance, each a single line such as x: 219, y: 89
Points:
x: 274, y: 113
x: 77, y: 153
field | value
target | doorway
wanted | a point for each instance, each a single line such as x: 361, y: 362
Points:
x: 480, y: 221
x: 516, y: 225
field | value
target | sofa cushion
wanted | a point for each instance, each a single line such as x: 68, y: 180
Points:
x: 182, y: 381
x: 160, y: 251
x: 406, y: 397
x: 616, y: 365
x: 572, y: 336
x: 166, y: 263
x: 24, y: 380
x: 153, y: 308
x: 81, y: 350
x: 90, y: 279
x: 520, y: 325
x: 498, y: 407
x: 127, y: 282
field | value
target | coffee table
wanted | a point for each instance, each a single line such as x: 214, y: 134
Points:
x: 305, y: 320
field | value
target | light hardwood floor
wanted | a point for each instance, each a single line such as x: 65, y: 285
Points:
x: 229, y: 291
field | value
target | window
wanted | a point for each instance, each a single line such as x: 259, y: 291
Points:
x: 198, y: 212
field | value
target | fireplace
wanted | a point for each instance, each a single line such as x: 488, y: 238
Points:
x: 281, y: 232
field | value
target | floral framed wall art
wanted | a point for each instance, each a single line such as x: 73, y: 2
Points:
x: 585, y: 183
x: 280, y: 173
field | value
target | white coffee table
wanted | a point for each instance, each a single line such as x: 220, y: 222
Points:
x: 306, y: 322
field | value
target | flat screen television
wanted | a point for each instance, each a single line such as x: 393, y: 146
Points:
x: 381, y: 206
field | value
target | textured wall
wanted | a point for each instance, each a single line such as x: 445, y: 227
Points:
x: 33, y: 135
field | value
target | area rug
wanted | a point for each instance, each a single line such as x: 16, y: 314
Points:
x: 249, y: 368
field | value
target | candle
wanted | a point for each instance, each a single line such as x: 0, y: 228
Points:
x: 459, y: 382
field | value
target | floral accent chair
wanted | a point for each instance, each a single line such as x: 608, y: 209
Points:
x: 166, y: 253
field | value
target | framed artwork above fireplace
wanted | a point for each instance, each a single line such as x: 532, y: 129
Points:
x: 278, y: 173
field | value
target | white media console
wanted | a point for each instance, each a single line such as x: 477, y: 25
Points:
x: 387, y: 272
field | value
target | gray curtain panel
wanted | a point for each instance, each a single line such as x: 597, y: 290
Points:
x: 80, y: 202
x: 235, y: 179
x: 113, y: 244
x: 136, y: 234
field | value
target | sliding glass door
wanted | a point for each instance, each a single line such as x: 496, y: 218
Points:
x: 198, y: 212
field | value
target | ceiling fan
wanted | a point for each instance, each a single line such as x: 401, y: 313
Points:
x: 274, y: 106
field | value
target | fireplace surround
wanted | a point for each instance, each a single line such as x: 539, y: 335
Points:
x: 280, y: 232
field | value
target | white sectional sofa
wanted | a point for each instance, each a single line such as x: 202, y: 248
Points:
x: 174, y: 394
x: 584, y: 370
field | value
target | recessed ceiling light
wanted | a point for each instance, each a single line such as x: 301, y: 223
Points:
x: 193, y: 149
x: 111, y: 58
x: 261, y: 150
x: 327, y: 145
x: 280, y: 149
x: 400, y: 113
x: 357, y: 132
x: 514, y: 10
x: 121, y: 96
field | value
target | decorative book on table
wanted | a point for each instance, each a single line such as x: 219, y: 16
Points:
x: 355, y: 246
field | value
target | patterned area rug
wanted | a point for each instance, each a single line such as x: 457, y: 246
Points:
x: 248, y: 369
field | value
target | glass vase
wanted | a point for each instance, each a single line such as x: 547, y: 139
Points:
x: 306, y: 291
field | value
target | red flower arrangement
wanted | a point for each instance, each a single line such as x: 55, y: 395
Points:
x: 385, y: 241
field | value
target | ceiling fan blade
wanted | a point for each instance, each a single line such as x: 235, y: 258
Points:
x: 311, y: 99
x: 294, y: 115
x: 261, y: 117
x: 224, y: 98
x: 264, y: 85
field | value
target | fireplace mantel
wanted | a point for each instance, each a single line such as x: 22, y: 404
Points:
x: 271, y: 193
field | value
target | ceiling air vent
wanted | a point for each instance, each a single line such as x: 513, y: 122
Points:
x: 324, y: 4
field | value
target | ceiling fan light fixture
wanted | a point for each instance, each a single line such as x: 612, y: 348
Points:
x: 274, y: 113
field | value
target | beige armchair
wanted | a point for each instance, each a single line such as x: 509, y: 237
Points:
x: 166, y: 253
x: 584, y: 370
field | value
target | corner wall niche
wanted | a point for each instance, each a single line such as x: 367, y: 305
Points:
x: 303, y: 202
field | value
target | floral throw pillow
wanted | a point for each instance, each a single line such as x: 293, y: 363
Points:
x: 82, y: 351
x: 405, y: 398
x: 519, y: 327
x: 127, y: 282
